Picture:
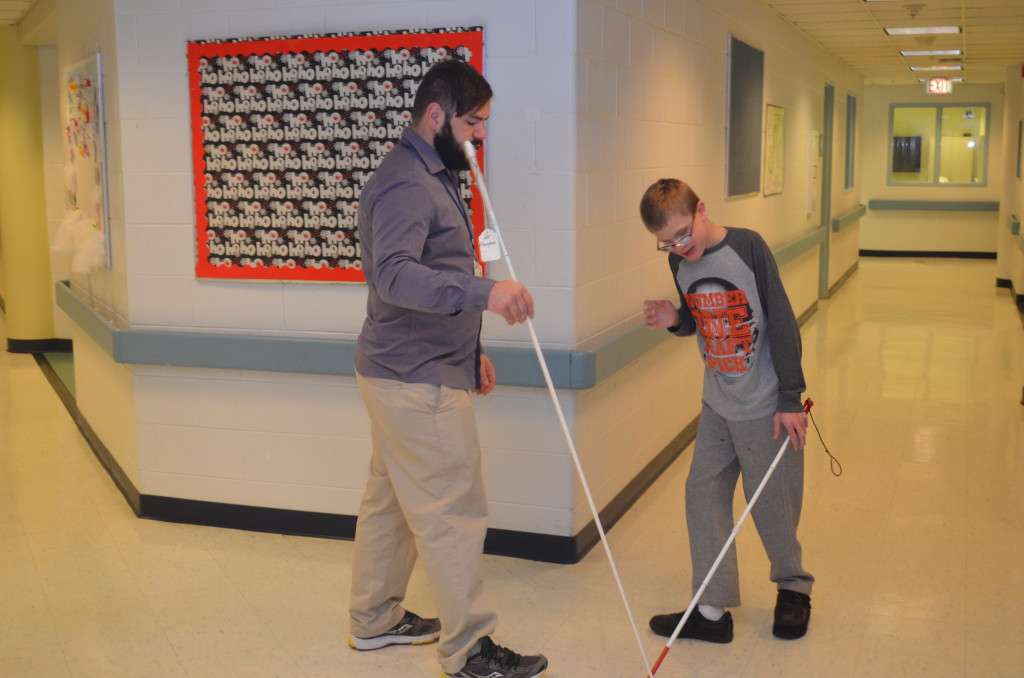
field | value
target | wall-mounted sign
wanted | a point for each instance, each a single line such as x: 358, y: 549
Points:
x: 938, y: 86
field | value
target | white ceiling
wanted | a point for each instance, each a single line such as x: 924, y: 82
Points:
x: 992, y: 35
x: 11, y: 11
x: 852, y: 30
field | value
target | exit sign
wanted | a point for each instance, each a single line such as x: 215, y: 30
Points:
x: 939, y: 86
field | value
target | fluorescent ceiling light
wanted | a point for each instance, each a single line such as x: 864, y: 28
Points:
x: 936, y: 68
x: 928, y: 52
x: 927, y: 30
x: 927, y: 79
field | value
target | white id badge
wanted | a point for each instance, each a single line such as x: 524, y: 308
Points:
x: 490, y: 250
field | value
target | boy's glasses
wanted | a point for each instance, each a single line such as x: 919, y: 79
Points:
x: 681, y: 241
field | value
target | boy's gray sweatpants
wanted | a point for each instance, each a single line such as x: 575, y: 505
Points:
x: 723, y: 449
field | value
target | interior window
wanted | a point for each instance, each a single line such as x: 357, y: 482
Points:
x: 945, y: 144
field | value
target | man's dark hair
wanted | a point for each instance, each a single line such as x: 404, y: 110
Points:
x: 455, y: 86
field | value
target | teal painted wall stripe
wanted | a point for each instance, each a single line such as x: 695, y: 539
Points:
x: 792, y: 250
x: 516, y: 366
x: 235, y: 351
x: 849, y: 219
x: 1014, y: 224
x: 936, y: 205
x: 616, y: 353
x: 303, y: 355
x: 519, y: 367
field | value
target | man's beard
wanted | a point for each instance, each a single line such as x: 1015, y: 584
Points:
x: 449, y: 150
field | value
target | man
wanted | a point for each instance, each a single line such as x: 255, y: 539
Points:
x: 417, y: 359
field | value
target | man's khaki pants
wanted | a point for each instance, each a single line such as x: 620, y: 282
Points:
x: 424, y: 496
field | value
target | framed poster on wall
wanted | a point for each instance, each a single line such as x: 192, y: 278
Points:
x: 84, y: 233
x: 774, y: 147
x: 745, y: 93
x: 285, y: 133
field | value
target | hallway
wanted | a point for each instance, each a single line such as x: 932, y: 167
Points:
x: 916, y: 368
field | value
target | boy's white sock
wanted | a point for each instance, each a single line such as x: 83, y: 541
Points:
x: 710, y: 612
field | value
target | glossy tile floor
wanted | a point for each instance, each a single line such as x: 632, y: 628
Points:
x: 916, y: 368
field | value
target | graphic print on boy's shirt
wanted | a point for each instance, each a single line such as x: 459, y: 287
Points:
x: 726, y: 324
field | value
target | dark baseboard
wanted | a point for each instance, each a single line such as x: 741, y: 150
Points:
x: 806, y: 315
x: 113, y: 468
x: 525, y: 545
x: 1004, y: 282
x: 38, y: 345
x: 926, y: 254
x: 589, y: 537
x: 546, y: 548
x: 1019, y: 300
x: 842, y: 279
x: 251, y: 518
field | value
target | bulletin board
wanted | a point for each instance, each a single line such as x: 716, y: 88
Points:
x: 745, y: 107
x: 84, y: 231
x: 286, y: 132
x: 774, y: 149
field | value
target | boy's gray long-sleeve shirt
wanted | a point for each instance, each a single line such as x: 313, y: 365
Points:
x: 734, y: 301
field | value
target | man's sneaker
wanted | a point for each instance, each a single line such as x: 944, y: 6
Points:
x: 495, y: 661
x: 792, y: 612
x: 697, y: 626
x: 412, y: 630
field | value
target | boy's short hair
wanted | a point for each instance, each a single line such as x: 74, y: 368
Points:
x: 663, y: 198
x: 455, y: 86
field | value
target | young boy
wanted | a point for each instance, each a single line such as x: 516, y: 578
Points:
x: 733, y: 299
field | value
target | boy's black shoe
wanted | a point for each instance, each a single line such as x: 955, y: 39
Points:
x: 792, y: 612
x: 697, y: 626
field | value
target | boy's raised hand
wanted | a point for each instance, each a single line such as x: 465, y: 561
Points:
x: 660, y: 313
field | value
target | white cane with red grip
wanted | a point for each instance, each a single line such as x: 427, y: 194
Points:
x: 470, y: 151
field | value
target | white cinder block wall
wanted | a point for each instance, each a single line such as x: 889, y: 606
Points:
x: 1010, y: 264
x: 651, y: 92
x: 594, y: 101
x: 106, y: 394
x: 1015, y: 88
x: 302, y: 442
x: 53, y: 163
x: 929, y: 231
x: 1005, y: 242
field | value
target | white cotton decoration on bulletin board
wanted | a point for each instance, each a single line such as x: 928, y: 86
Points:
x: 82, y: 231
x: 81, y: 239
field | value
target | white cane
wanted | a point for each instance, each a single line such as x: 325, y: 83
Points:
x: 470, y: 152
x: 728, y: 543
